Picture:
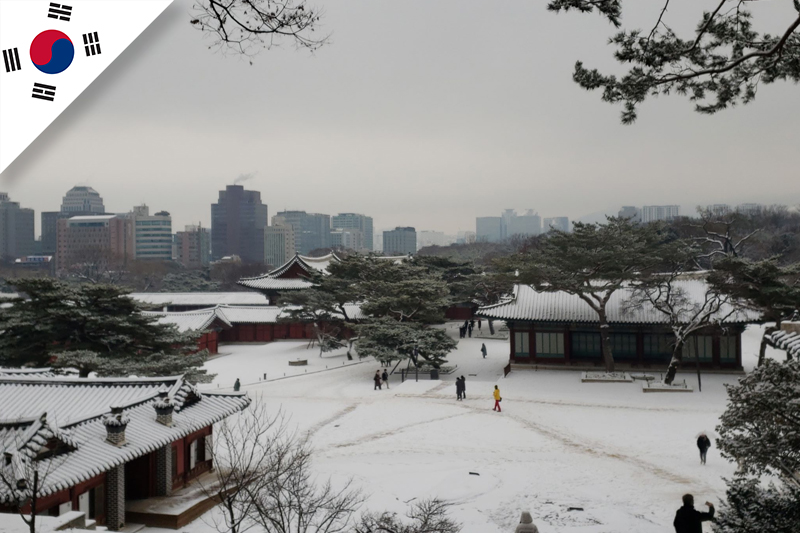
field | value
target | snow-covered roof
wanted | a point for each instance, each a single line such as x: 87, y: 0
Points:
x: 71, y: 410
x: 786, y: 340
x: 208, y: 299
x: 38, y: 372
x: 528, y: 304
x: 198, y: 320
x: 274, y: 279
x: 268, y: 314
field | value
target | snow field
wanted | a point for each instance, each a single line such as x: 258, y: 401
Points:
x: 622, y: 456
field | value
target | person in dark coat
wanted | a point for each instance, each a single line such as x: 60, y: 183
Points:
x: 469, y: 329
x: 703, y: 444
x: 237, y: 385
x: 463, y: 388
x: 483, y: 349
x: 385, y: 378
x: 690, y: 520
x: 377, y: 379
x: 479, y: 324
x: 459, y: 389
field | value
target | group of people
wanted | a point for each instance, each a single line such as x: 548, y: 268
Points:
x: 381, y: 379
x: 466, y: 329
x: 687, y: 518
x: 461, y: 388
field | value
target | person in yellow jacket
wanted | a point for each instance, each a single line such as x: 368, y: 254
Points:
x: 497, y: 399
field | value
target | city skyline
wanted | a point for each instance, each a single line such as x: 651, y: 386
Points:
x: 429, y: 132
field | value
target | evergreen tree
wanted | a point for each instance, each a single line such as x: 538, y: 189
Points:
x: 94, y: 328
x: 592, y: 262
x: 719, y: 65
x: 189, y: 281
x: 388, y: 340
x: 763, y: 286
x: 760, y: 430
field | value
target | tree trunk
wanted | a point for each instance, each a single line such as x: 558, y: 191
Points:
x: 674, y: 363
x: 605, y: 343
x: 697, y: 364
x: 83, y: 372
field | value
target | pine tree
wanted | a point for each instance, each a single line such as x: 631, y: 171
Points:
x: 764, y: 286
x: 388, y: 340
x: 592, y: 262
x: 94, y: 328
x: 760, y: 430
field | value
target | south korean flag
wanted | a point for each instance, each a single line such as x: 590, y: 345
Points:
x: 52, y: 51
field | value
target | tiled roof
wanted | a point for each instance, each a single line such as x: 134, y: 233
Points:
x: 252, y: 314
x: 272, y: 280
x: 72, y: 410
x: 208, y: 299
x: 531, y: 305
x: 198, y: 320
x: 38, y: 372
x: 784, y: 340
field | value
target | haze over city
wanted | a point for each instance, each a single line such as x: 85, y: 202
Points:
x: 417, y: 114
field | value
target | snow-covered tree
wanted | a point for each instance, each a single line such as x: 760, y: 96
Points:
x: 592, y: 262
x: 189, y: 281
x: 760, y: 430
x: 687, y: 313
x: 763, y: 286
x: 94, y: 328
x: 388, y: 340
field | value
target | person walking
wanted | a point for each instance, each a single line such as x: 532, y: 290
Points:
x: 479, y: 324
x: 377, y: 379
x: 459, y: 389
x: 690, y: 520
x: 463, y: 388
x: 469, y: 329
x: 385, y: 378
x: 703, y: 444
x: 497, y: 400
x: 237, y: 385
x: 483, y: 349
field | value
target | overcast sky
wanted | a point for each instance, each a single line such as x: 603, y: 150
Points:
x: 418, y: 112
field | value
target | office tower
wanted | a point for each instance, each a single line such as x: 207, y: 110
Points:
x: 362, y: 223
x: 651, y: 213
x: 489, y: 229
x: 79, y: 200
x: 238, y: 220
x: 99, y: 239
x: 400, y: 241
x: 279, y: 243
x: 312, y: 231
x: 152, y: 234
x: 193, y: 246
x: 16, y: 229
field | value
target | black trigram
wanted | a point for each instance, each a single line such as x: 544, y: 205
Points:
x: 91, y: 43
x: 11, y: 59
x: 59, y: 11
x: 44, y: 92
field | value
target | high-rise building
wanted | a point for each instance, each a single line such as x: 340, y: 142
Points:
x: 377, y: 242
x: 523, y: 225
x: 400, y: 241
x: 16, y: 229
x: 749, y: 209
x: 312, y: 231
x: 279, y: 243
x: 152, y: 234
x: 651, y: 213
x: 489, y: 229
x: 430, y: 238
x: 362, y: 223
x: 99, y: 239
x: 193, y: 246
x: 79, y: 200
x: 559, y: 223
x: 349, y: 239
x: 466, y: 237
x: 630, y: 212
x: 238, y: 220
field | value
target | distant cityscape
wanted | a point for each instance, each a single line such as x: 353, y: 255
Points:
x: 241, y: 230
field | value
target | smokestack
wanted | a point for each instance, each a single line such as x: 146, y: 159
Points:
x: 115, y: 423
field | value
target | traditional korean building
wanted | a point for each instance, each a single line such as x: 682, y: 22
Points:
x: 101, y: 446
x: 293, y: 275
x: 557, y: 328
x: 191, y: 301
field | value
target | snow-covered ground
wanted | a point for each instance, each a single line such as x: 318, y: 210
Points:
x: 622, y: 457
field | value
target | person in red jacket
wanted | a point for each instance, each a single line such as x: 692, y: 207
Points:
x: 690, y: 520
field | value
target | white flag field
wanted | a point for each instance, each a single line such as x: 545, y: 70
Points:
x: 51, y: 52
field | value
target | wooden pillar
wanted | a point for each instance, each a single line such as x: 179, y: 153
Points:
x: 513, y: 340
